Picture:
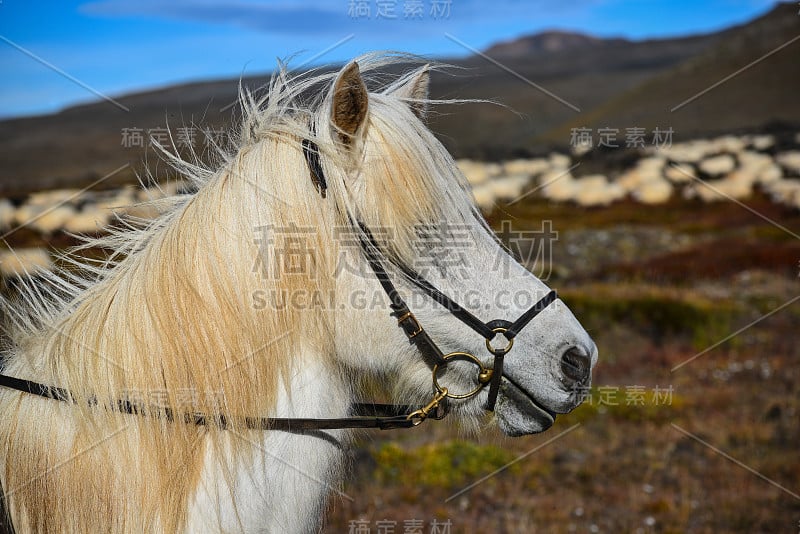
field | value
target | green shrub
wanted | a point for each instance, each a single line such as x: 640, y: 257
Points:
x: 442, y: 465
x: 657, y: 315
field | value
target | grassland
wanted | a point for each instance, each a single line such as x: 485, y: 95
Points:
x: 692, y: 421
x: 689, y: 427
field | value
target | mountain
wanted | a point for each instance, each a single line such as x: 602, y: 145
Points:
x: 619, y: 84
x: 749, y: 80
x: 547, y: 84
x: 539, y: 91
x: 85, y: 143
x: 546, y: 42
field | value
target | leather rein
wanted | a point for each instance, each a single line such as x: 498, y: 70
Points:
x: 365, y: 415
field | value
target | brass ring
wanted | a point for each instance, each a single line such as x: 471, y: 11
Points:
x: 466, y: 357
x: 504, y: 350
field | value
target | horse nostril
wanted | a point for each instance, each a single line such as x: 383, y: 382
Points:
x: 576, y: 365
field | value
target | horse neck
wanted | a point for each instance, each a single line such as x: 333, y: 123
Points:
x: 175, y: 316
x: 285, y: 487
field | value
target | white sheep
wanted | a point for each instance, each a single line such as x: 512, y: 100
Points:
x: 646, y: 170
x: 720, y: 190
x: 581, y: 148
x: 116, y: 201
x: 7, y: 214
x: 530, y: 167
x: 89, y: 220
x: 27, y: 213
x: 654, y: 191
x: 53, y: 219
x: 762, y: 142
x: 150, y: 193
x: 24, y: 261
x: 484, y: 196
x: 790, y: 161
x: 688, y: 152
x: 727, y: 143
x: 559, y: 161
x: 771, y: 173
x: 595, y: 190
x: 474, y: 171
x: 753, y: 161
x: 53, y: 197
x: 558, y: 185
x: 785, y: 192
x: 737, y: 185
x: 718, y: 165
x: 142, y: 210
x: 654, y: 163
x: 680, y: 173
x: 494, y: 169
x: 509, y: 187
x: 171, y: 188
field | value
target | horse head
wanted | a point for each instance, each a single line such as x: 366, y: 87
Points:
x: 400, y: 186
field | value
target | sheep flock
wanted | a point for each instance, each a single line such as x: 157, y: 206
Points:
x: 727, y: 168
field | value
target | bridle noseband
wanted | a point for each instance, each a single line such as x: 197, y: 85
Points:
x: 368, y: 415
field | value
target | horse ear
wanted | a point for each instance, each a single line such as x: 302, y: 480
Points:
x: 350, y: 103
x: 415, y: 91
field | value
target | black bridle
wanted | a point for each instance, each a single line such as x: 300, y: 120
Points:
x: 417, y: 335
x: 365, y: 415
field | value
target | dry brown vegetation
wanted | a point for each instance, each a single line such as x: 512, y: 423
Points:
x: 656, y: 286
x: 623, y: 461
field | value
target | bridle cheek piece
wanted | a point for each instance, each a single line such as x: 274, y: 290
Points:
x: 369, y: 415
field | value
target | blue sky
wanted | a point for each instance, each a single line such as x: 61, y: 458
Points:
x: 115, y: 47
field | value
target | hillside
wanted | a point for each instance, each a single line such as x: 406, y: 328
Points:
x: 614, y: 82
x: 585, y: 75
x: 705, y: 96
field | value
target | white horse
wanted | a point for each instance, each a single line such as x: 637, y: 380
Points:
x: 255, y: 296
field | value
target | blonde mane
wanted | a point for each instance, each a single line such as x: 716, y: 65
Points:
x: 168, y: 319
